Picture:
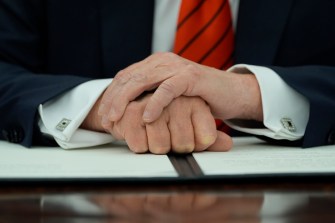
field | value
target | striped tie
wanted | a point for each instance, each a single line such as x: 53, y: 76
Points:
x: 205, y: 35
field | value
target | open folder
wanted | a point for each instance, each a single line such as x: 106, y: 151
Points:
x: 249, y: 157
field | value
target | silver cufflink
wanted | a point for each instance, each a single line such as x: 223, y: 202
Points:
x: 288, y: 124
x: 63, y: 124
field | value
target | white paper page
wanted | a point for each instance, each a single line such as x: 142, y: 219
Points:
x: 253, y: 156
x: 100, y: 162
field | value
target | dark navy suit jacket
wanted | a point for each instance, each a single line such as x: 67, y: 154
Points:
x: 49, y: 46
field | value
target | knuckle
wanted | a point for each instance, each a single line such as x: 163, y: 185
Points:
x: 180, y: 63
x: 136, y: 144
x: 192, y: 69
x: 183, y: 149
x: 139, y: 149
x: 120, y: 74
x: 122, y: 77
x: 138, y: 77
x: 160, y: 150
x: 206, y: 141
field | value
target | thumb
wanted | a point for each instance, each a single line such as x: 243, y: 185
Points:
x: 222, y: 143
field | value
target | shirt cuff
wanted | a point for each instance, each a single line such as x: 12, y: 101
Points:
x: 285, y: 111
x: 61, y: 117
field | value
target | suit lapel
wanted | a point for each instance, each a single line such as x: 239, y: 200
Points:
x: 126, y: 33
x: 259, y: 29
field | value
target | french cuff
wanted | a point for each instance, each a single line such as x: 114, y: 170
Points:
x: 62, y: 116
x: 85, y: 138
x: 285, y: 111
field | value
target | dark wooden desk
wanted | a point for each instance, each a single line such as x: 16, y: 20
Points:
x: 276, y: 200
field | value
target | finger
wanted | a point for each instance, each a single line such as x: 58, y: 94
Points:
x: 106, y: 124
x: 204, y: 126
x: 120, y: 79
x: 133, y: 129
x: 115, y: 94
x: 115, y: 131
x: 181, y: 129
x: 165, y: 93
x: 132, y: 82
x: 222, y: 143
x: 158, y: 136
x: 136, y: 139
x: 120, y: 97
x: 113, y: 128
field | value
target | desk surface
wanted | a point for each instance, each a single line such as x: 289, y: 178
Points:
x: 275, y: 199
x: 278, y: 200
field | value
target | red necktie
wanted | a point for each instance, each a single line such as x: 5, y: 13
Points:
x: 205, y: 35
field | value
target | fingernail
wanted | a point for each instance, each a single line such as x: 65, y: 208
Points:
x: 101, y: 109
x: 146, y: 116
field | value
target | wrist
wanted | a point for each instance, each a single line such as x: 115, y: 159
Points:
x: 93, y: 120
x: 249, y: 97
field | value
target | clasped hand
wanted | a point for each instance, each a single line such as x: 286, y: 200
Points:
x: 179, y: 115
x: 185, y: 125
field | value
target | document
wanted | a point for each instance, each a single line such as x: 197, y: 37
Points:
x: 17, y: 162
x: 249, y: 157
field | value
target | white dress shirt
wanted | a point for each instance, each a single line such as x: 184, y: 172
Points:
x: 285, y: 111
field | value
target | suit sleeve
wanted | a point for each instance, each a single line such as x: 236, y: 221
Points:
x: 317, y: 84
x: 23, y: 83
